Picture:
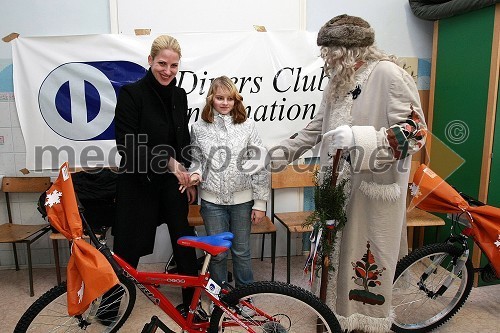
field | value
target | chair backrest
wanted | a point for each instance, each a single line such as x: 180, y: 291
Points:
x: 293, y: 176
x: 194, y: 217
x: 23, y: 185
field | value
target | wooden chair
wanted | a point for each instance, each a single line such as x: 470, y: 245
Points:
x: 194, y: 217
x: 194, y: 220
x: 15, y: 233
x: 266, y: 227
x: 263, y: 228
x: 293, y: 176
x: 55, y: 237
x: 416, y: 221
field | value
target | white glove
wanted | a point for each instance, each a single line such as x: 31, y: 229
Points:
x: 342, y: 137
x: 259, y: 161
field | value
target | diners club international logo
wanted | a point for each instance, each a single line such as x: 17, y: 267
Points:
x: 77, y: 100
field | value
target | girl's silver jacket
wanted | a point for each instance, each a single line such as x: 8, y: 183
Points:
x: 218, y: 151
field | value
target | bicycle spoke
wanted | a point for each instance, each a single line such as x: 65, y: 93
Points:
x: 427, y: 292
x: 50, y: 312
x: 279, y: 312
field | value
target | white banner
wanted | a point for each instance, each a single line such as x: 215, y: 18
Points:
x: 66, y: 87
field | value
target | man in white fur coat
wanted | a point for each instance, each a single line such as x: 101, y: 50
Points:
x: 371, y: 109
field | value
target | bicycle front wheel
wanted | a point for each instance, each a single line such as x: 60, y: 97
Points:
x: 430, y: 285
x: 276, y: 307
x: 49, y: 313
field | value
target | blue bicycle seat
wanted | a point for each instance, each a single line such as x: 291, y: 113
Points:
x: 213, y: 244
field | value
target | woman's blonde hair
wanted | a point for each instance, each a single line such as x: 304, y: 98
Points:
x: 165, y: 42
x: 238, y: 113
x: 340, y: 65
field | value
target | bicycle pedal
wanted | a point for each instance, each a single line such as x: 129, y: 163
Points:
x: 154, y: 324
x: 199, y: 316
x: 202, y: 314
x: 226, y: 285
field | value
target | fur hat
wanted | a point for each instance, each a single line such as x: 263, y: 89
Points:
x: 347, y: 31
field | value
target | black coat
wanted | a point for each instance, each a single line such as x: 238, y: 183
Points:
x: 141, y: 111
x: 147, y: 195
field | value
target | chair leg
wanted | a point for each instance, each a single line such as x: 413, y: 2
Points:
x: 416, y: 237
x: 273, y: 254
x: 436, y: 238
x: 288, y: 250
x: 30, y: 270
x: 16, y: 261
x: 262, y: 249
x: 55, y: 245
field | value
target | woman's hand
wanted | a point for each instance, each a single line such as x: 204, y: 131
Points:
x: 180, y: 172
x: 191, y: 194
x: 257, y: 216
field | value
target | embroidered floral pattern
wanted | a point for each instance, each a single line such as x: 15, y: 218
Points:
x: 366, y: 275
x: 408, y: 136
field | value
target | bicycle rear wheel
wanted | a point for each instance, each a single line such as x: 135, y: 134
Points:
x: 421, y: 300
x: 49, y: 313
x: 279, y: 308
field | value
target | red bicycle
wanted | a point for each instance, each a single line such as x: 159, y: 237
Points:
x: 275, y: 306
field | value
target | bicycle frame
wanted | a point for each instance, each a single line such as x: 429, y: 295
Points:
x: 463, y: 219
x: 148, y: 283
x: 458, y: 237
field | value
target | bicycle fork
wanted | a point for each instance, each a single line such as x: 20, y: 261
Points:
x: 458, y: 265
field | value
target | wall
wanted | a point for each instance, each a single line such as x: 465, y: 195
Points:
x: 397, y: 31
x: 34, y: 18
x: 461, y: 118
x: 210, y: 15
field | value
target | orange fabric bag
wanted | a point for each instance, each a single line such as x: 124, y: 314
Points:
x: 89, y: 274
x: 431, y: 193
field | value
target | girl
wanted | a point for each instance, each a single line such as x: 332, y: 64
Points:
x: 231, y: 199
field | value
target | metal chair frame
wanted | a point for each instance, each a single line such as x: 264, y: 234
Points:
x: 16, y: 233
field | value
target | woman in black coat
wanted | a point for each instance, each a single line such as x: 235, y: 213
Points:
x: 151, y: 126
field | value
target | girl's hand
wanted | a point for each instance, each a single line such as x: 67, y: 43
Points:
x: 194, y: 179
x: 191, y: 194
x: 257, y: 216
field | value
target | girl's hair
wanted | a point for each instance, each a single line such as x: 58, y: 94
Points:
x: 340, y: 63
x: 165, y: 42
x: 238, y: 113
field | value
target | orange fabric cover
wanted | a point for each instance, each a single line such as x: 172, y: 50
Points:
x: 89, y: 274
x: 431, y: 193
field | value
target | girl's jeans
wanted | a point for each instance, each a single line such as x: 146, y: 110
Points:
x: 236, y: 219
